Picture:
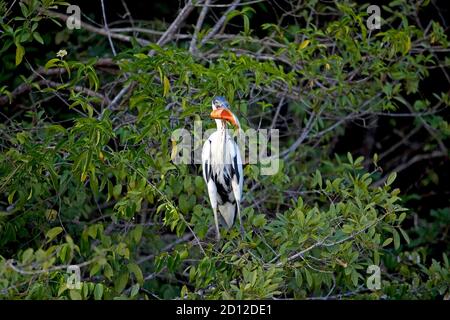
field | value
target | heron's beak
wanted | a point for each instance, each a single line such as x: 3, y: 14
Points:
x: 224, y: 114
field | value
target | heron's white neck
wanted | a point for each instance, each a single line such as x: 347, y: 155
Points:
x: 221, y: 125
x: 221, y: 129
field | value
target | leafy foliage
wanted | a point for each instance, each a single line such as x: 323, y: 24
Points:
x: 87, y: 178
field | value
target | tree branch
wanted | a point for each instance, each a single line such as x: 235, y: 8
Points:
x: 219, y: 23
x: 41, y: 71
x: 108, y: 33
x: 100, y: 31
x: 198, y: 26
x: 11, y: 263
x: 184, y: 13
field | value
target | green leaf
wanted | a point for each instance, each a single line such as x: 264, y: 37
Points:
x: 253, y: 277
x: 303, y: 45
x: 110, y: 190
x: 318, y: 178
x: 376, y: 258
x: 140, y: 56
x: 396, y: 239
x: 121, y: 282
x: 301, y: 217
x: 166, y: 86
x: 11, y: 197
x: 75, y: 295
x: 184, y: 291
x: 52, y: 233
x: 135, y: 290
x: 117, y: 190
x: 93, y: 182
x: 358, y: 160
x: 134, y: 268
x: 192, y: 273
x: 309, y: 278
x: 199, y: 184
x: 186, y: 203
x: 51, y: 214
x: 387, y: 242
x: 38, y: 37
x: 355, y: 277
x: 108, y: 271
x: 27, y: 254
x: 405, y: 235
x: 259, y: 220
x: 246, y: 24
x: 85, y: 290
x: 347, y: 228
x: 232, y: 14
x: 391, y: 178
x: 137, y: 233
x: 401, y: 217
x: 95, y: 269
x: 24, y: 9
x: 98, y: 291
x: 350, y: 158
x: 52, y: 63
x: 20, y: 52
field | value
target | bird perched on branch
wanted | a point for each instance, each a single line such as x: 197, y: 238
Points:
x: 222, y: 167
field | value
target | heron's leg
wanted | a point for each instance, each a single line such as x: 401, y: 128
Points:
x: 241, y: 226
x: 216, y: 221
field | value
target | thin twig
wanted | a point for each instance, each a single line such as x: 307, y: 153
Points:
x: 230, y: 4
x: 186, y: 237
x: 198, y: 26
x: 41, y: 71
x: 303, y: 135
x: 322, y: 243
x: 219, y: 23
x: 20, y: 270
x: 277, y: 113
x: 167, y: 36
x: 108, y: 33
x: 100, y: 31
x: 413, y: 160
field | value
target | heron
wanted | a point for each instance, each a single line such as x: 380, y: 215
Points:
x: 222, y: 167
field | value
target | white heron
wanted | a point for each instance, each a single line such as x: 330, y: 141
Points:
x: 222, y: 167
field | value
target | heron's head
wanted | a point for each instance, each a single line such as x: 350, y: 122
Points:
x: 221, y: 111
x: 220, y: 102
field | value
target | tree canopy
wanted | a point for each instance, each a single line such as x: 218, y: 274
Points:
x: 87, y: 171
